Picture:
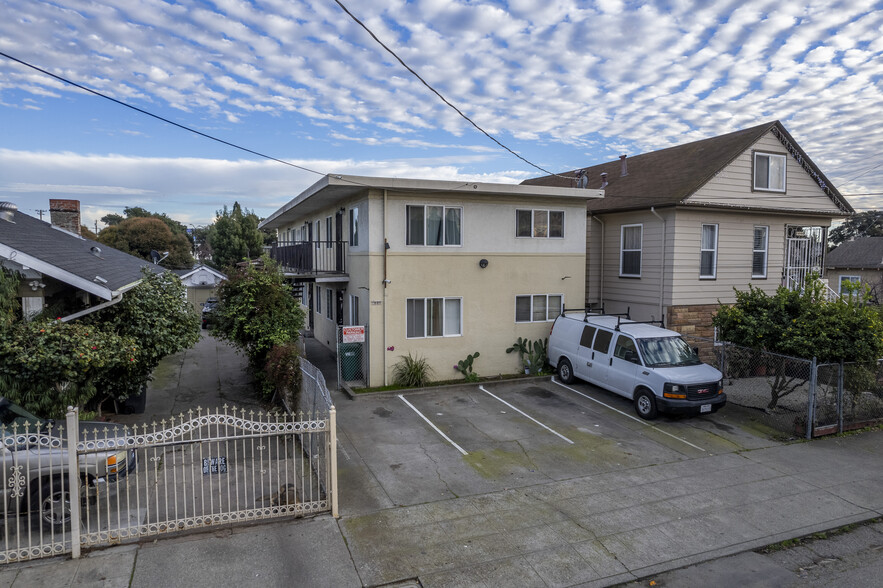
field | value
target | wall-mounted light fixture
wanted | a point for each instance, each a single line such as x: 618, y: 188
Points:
x: 482, y: 263
x: 565, y: 277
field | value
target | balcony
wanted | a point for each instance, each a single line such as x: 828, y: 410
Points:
x: 311, y: 258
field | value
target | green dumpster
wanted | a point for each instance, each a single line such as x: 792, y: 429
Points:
x: 350, y: 361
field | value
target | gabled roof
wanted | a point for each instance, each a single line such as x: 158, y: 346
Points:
x: 184, y: 274
x: 863, y: 253
x: 669, y: 176
x: 85, y: 264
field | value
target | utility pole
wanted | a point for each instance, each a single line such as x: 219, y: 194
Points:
x: 96, y: 227
x: 41, y: 213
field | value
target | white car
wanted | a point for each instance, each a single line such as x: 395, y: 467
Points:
x: 643, y: 362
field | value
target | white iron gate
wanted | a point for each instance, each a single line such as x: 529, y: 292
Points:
x: 196, y: 470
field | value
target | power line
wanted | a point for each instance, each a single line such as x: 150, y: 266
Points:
x: 156, y: 116
x: 442, y: 98
x: 870, y: 169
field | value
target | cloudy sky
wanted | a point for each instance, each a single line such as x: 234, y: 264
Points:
x: 564, y: 83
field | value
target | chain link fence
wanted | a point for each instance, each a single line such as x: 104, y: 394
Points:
x: 797, y: 397
x: 352, y: 355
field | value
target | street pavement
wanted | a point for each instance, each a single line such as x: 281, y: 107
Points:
x: 416, y: 512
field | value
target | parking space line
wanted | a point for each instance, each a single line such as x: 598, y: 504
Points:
x: 518, y: 410
x: 437, y: 430
x: 628, y: 415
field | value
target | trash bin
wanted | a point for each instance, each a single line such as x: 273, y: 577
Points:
x: 350, y: 361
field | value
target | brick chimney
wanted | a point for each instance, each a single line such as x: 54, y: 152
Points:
x: 65, y: 214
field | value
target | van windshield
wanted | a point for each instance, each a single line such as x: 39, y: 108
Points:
x: 667, y: 352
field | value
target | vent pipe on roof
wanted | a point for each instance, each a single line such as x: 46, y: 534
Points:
x: 603, y: 179
x: 625, y: 167
x: 7, y: 211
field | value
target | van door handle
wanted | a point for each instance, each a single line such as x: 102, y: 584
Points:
x: 588, y: 364
x: 611, y: 361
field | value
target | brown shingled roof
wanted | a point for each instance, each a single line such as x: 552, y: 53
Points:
x: 668, y: 176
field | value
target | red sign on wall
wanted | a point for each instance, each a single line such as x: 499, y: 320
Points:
x: 354, y: 334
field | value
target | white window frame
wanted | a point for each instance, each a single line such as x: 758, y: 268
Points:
x: 713, y: 250
x: 755, y: 168
x: 550, y: 316
x: 847, y: 278
x: 354, y: 226
x: 354, y: 310
x: 319, y: 300
x: 444, y: 334
x: 533, y: 224
x: 623, y: 250
x: 445, y: 210
x: 765, y: 250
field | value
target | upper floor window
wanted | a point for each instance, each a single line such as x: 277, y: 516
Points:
x: 769, y: 172
x: 328, y: 233
x: 759, y: 252
x: 539, y: 223
x: 708, y: 252
x: 630, y: 251
x: 354, y: 227
x: 538, y: 307
x: 434, y: 225
x: 318, y: 233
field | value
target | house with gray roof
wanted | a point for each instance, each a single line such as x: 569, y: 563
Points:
x: 859, y: 260
x: 59, y: 268
x: 680, y: 228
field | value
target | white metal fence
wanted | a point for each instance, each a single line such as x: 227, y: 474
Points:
x: 199, y: 469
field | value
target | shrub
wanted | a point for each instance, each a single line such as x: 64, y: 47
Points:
x: 282, y: 372
x: 411, y: 372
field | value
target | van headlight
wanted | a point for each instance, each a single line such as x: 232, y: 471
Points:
x: 675, y: 391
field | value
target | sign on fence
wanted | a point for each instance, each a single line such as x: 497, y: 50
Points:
x: 353, y: 334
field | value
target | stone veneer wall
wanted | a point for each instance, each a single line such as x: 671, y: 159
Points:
x: 692, y: 320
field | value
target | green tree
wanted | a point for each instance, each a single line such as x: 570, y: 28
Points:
x: 863, y: 224
x: 235, y: 236
x: 141, y: 235
x: 801, y: 324
x: 112, y: 219
x: 47, y: 365
x: 9, y: 307
x: 257, y: 312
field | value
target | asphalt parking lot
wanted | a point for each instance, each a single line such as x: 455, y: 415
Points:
x: 477, y: 439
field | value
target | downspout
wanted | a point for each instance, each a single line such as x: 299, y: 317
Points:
x: 661, y: 265
x: 116, y: 298
x: 601, y: 265
x: 385, y: 285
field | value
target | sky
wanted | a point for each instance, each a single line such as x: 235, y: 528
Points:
x: 563, y: 83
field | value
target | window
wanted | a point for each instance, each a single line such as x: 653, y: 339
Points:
x: 848, y: 280
x: 539, y: 223
x: 759, y: 252
x: 432, y: 317
x: 354, y: 310
x: 625, y: 349
x: 354, y: 227
x: 538, y: 307
x: 630, y: 254
x: 434, y: 225
x: 588, y: 334
x: 602, y: 341
x: 769, y: 172
x: 708, y: 252
x: 318, y: 233
x: 319, y: 300
x: 329, y: 306
x: 328, y: 232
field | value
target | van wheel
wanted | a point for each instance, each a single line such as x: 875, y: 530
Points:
x: 565, y: 371
x: 645, y: 404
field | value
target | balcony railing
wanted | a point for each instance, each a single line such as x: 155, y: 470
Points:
x: 310, y: 257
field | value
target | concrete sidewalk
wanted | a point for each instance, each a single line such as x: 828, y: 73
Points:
x: 592, y: 529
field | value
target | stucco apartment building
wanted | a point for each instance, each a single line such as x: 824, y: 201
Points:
x: 437, y: 269
x: 680, y: 228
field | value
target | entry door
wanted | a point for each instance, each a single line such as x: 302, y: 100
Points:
x: 804, y: 253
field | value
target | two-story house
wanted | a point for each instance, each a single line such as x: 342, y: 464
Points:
x: 437, y: 269
x: 680, y: 228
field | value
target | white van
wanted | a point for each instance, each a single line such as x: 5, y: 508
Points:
x: 653, y: 366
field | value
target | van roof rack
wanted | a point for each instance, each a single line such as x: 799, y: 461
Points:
x: 589, y: 310
x: 660, y: 322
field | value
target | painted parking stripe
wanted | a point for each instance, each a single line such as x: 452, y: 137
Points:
x: 437, y: 430
x: 634, y: 418
x: 521, y: 412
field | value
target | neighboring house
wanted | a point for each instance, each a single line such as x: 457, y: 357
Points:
x: 437, y: 269
x: 202, y: 283
x: 680, y: 228
x: 60, y: 268
x: 859, y: 260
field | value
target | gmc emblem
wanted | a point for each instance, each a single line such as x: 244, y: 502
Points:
x: 703, y: 391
